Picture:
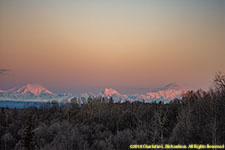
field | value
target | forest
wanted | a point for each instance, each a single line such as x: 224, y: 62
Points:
x: 101, y: 124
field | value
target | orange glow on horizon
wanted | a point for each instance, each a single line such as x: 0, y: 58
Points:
x: 85, y: 44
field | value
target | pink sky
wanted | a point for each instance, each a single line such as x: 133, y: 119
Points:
x: 89, y: 44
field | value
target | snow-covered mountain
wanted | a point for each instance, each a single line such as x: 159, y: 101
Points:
x: 38, y: 92
x: 170, y: 86
x: 34, y: 89
x: 31, y: 92
x: 166, y: 93
x: 107, y: 92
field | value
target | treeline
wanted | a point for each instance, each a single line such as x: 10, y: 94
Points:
x: 101, y: 124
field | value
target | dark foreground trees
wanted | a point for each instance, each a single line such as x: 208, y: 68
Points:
x: 197, y: 118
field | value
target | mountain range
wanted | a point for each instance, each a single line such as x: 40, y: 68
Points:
x: 31, y: 92
x: 37, y: 92
x: 166, y: 93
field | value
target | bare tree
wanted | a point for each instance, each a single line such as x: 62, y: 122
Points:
x: 219, y: 80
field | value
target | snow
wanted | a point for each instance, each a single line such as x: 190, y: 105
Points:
x: 31, y: 92
x: 168, y: 92
x: 34, y: 89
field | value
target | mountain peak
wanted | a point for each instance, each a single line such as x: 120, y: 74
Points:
x: 170, y: 86
x: 35, y: 89
x: 166, y: 93
x: 109, y: 92
x: 31, y: 92
x: 173, y: 86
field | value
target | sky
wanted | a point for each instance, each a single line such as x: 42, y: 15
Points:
x: 75, y: 45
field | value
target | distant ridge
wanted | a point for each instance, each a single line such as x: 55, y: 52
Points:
x: 166, y: 93
x: 31, y: 92
x: 38, y: 92
x: 170, y: 86
x: 35, y: 89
